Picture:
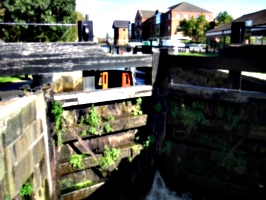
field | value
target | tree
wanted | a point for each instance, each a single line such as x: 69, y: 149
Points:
x: 39, y: 11
x: 195, y: 28
x: 223, y: 18
x: 2, y: 12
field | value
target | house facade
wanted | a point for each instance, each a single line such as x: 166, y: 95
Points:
x: 121, y: 32
x: 253, y: 29
x: 165, y: 25
x: 142, y: 29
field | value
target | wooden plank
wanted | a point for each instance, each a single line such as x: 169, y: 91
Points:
x: 35, y: 58
x: 218, y: 94
x: 119, y: 124
x: 80, y: 98
x: 88, y: 162
x: 237, y: 64
x: 248, y: 58
x: 82, y: 193
x: 97, y: 144
x: 86, y: 147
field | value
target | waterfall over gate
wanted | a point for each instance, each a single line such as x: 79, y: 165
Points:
x: 159, y: 191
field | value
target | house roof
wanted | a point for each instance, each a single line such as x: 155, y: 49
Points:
x: 120, y: 24
x: 187, y: 7
x: 258, y: 19
x: 146, y: 13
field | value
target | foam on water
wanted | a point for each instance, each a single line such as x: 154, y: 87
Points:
x: 159, y: 191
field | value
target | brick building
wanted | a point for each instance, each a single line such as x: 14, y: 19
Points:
x: 164, y: 25
x: 141, y: 28
x: 121, y: 34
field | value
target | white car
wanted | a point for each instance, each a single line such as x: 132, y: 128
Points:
x: 196, y: 47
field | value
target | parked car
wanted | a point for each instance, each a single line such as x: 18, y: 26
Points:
x: 196, y: 47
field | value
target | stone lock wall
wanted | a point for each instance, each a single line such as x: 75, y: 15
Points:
x: 24, y: 155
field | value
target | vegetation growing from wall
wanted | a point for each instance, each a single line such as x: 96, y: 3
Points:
x: 230, y: 160
x: 231, y: 120
x: 137, y: 108
x: 150, y: 140
x: 76, y: 161
x: 57, y: 114
x: 158, y: 107
x: 167, y: 148
x: 191, y: 116
x: 26, y: 190
x: 110, y: 155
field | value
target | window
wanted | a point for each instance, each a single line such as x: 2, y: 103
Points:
x: 185, y: 16
x: 158, y: 18
x: 197, y: 16
x: 124, y: 29
x: 169, y: 16
x: 207, y: 17
x: 178, y: 16
x: 168, y: 28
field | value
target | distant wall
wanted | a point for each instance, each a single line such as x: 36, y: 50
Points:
x: 24, y: 155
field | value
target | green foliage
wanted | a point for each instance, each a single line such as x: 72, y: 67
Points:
x: 81, y: 120
x: 26, y: 190
x: 190, y: 116
x: 174, y: 111
x: 8, y: 79
x: 57, y: 113
x: 223, y: 18
x: 129, y: 103
x: 59, y: 138
x: 179, y: 159
x: 158, y: 107
x: 93, y: 120
x: 150, y: 140
x: 139, y: 101
x: 84, y: 184
x: 136, y: 110
x: 195, y: 28
x: 38, y: 11
x: 220, y: 112
x: 76, y: 160
x: 93, y: 131
x: 110, y: 155
x: 93, y: 117
x: 167, y: 148
x: 2, y: 12
x: 231, y: 120
x: 108, y: 128
x: 136, y: 149
x: 83, y: 133
x: 230, y: 160
x: 7, y: 197
x: 111, y: 118
x: 66, y: 183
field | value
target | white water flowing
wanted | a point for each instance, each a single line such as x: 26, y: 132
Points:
x: 159, y: 191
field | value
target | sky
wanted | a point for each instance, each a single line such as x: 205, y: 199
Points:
x: 104, y: 12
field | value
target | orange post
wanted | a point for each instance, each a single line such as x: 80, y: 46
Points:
x: 105, y: 80
x: 125, y: 80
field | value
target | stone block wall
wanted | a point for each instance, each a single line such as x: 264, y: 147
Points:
x: 24, y: 153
